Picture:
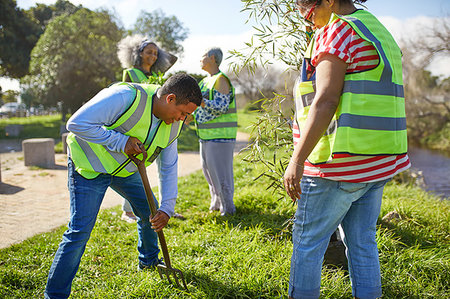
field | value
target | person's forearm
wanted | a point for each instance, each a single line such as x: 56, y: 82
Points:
x: 330, y: 73
x: 94, y: 133
x: 168, y: 206
x: 168, y: 178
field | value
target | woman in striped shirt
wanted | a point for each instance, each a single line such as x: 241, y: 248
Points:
x: 349, y: 140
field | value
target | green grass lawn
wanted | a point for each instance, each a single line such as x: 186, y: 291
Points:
x: 242, y: 256
x: 49, y: 127
x: 42, y: 126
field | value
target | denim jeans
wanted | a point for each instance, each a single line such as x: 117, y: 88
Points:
x: 86, y: 196
x: 324, y: 205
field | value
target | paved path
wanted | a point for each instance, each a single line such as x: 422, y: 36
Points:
x: 37, y: 201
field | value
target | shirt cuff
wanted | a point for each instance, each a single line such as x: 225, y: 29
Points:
x: 168, y: 206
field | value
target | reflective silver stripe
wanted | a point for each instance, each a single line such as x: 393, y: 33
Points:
x: 387, y: 71
x: 331, y: 128
x: 174, y: 131
x: 136, y: 116
x: 217, y: 125
x: 383, y: 87
x: 91, y: 156
x: 131, y: 167
x: 372, y: 122
x: 155, y: 154
x: 133, y: 75
x: 119, y: 157
x: 308, y: 98
x: 373, y: 87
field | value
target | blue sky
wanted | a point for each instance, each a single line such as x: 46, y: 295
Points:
x: 221, y: 22
x: 224, y: 17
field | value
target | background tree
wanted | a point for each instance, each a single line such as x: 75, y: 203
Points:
x: 74, y: 59
x: 279, y: 39
x: 10, y: 96
x: 427, y: 96
x: 261, y: 83
x: 167, y: 31
x: 20, y: 30
x: 18, y: 35
x: 42, y: 13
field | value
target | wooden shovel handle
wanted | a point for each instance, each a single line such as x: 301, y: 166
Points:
x: 151, y: 202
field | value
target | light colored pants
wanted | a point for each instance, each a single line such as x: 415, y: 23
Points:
x: 217, y: 165
x: 324, y: 205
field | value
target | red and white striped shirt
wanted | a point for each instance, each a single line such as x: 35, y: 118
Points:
x: 339, y: 38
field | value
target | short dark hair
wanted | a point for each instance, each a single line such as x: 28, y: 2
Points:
x: 184, y: 87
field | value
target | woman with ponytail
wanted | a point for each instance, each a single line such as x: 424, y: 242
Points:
x: 351, y: 140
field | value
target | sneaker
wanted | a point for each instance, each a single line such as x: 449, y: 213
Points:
x: 128, y: 217
x: 178, y: 216
x: 142, y: 266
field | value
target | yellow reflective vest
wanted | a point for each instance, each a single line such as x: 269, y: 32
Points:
x: 91, y: 159
x: 224, y: 126
x: 136, y: 75
x: 370, y: 118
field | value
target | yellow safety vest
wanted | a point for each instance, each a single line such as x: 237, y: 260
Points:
x: 370, y: 118
x: 224, y: 126
x: 136, y: 75
x: 91, y: 159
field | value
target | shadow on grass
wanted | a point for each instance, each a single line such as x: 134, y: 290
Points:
x: 273, y: 224
x: 53, y: 167
x: 58, y: 167
x: 213, y: 288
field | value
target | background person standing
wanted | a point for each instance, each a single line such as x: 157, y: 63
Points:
x: 216, y: 123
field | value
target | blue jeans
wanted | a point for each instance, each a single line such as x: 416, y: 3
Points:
x: 325, y: 205
x: 85, y: 199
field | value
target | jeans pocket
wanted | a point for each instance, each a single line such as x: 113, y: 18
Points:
x: 351, y: 187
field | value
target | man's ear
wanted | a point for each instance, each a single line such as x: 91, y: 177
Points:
x: 171, y: 98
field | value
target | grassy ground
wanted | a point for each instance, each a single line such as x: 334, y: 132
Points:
x: 243, y: 256
x: 49, y: 127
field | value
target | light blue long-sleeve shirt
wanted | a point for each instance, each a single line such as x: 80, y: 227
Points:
x: 91, y: 120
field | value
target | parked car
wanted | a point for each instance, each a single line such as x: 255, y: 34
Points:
x: 13, y: 109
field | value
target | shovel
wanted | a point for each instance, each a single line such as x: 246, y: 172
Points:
x: 167, y: 269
